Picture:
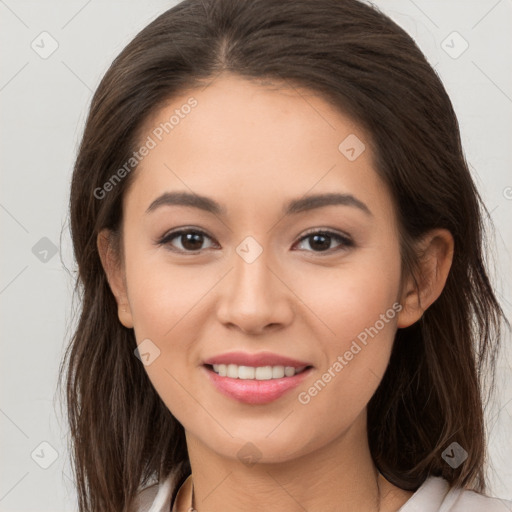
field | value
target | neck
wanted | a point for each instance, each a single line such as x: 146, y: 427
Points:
x: 339, y: 476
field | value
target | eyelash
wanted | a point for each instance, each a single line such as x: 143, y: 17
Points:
x: 345, y: 241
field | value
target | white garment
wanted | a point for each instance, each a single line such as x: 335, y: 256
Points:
x: 433, y: 496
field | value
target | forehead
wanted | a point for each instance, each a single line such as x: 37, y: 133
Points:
x: 250, y: 143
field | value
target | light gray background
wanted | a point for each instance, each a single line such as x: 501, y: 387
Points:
x: 44, y: 102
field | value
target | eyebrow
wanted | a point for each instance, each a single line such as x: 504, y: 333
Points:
x: 292, y: 207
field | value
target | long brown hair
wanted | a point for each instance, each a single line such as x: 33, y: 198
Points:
x: 354, y: 56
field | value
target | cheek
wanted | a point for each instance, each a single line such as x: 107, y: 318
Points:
x: 357, y: 307
x: 352, y: 297
x: 161, y: 294
x: 165, y: 300
x: 167, y: 303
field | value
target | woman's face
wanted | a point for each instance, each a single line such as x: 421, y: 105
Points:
x: 253, y: 283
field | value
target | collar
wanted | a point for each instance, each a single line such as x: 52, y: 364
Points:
x: 183, y: 501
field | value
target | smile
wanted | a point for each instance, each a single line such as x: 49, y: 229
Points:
x: 255, y: 385
x: 235, y: 371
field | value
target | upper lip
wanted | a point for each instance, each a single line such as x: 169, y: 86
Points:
x: 259, y: 359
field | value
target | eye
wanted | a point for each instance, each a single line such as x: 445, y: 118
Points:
x: 321, y: 240
x: 190, y: 240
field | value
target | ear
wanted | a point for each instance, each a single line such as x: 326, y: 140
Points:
x: 114, y: 270
x: 436, y: 255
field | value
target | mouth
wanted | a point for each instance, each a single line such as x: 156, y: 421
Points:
x: 255, y: 385
x: 234, y: 371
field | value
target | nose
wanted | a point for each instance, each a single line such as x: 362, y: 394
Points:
x: 254, y: 297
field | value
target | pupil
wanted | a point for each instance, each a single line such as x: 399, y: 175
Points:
x: 190, y: 238
x: 325, y: 245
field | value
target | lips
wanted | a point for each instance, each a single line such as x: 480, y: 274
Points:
x: 252, y: 391
x: 256, y: 391
x: 259, y: 359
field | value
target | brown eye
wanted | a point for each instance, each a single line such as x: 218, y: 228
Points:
x: 320, y: 241
x: 188, y: 240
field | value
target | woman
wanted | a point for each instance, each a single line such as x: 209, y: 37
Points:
x: 280, y: 252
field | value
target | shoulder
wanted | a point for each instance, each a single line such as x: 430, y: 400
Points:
x: 461, y: 500
x: 435, y: 495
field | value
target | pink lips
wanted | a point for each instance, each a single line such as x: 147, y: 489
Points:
x: 260, y: 359
x: 253, y: 391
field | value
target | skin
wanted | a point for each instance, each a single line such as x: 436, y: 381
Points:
x: 252, y: 148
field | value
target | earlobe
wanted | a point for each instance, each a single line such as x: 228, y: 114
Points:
x: 436, y: 256
x: 109, y: 256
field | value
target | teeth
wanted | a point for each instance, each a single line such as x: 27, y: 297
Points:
x: 278, y: 372
x: 259, y: 373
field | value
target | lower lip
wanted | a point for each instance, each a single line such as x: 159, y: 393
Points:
x: 252, y: 391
